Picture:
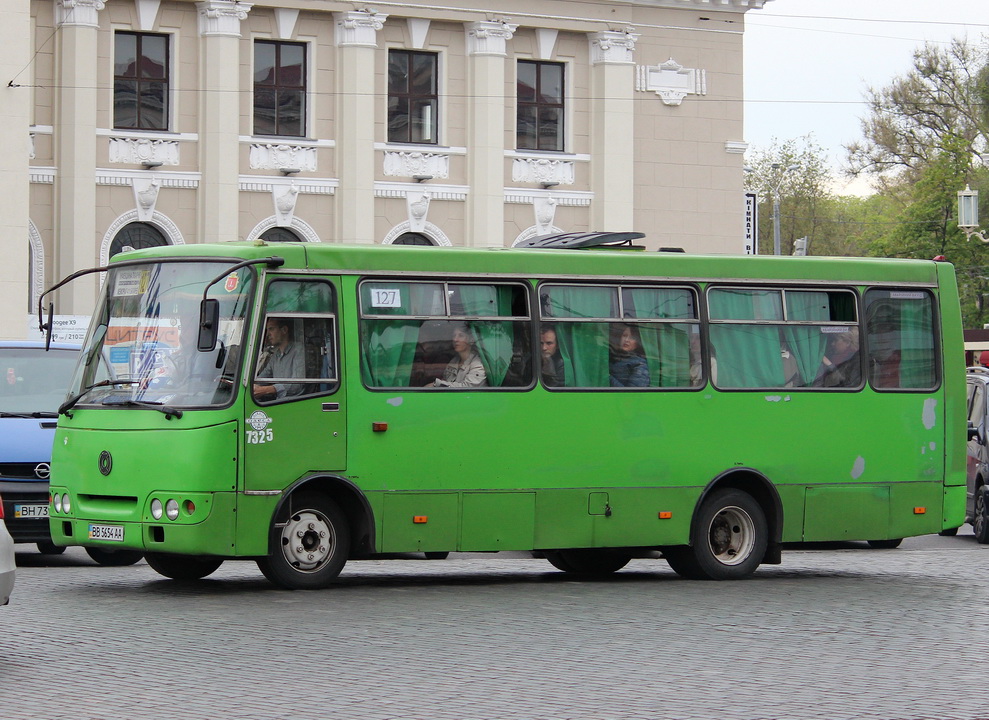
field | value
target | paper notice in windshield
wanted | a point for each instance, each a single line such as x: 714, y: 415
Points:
x: 131, y: 282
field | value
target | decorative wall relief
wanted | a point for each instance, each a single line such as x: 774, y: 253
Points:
x: 270, y: 156
x: 545, y: 211
x: 418, y: 206
x: 671, y: 81
x: 137, y: 151
x: 285, y: 199
x: 412, y: 164
x: 145, y: 197
x: 542, y: 170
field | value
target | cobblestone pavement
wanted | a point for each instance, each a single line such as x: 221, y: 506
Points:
x: 832, y: 633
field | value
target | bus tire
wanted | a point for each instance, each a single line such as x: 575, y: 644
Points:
x: 50, y: 548
x: 885, y: 544
x: 980, y: 518
x: 310, y: 543
x: 114, y: 558
x: 182, y: 567
x: 589, y: 561
x: 728, y: 539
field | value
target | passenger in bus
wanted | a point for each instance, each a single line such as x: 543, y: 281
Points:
x: 628, y: 364
x: 552, y: 366
x: 841, y: 367
x: 697, y: 362
x: 282, y: 358
x: 464, y: 370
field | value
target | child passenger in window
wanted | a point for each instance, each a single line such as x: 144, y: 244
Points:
x: 628, y: 366
x: 465, y: 370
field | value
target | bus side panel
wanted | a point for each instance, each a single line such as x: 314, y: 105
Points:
x: 498, y: 521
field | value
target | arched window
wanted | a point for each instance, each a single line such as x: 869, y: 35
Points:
x: 137, y: 236
x: 279, y: 234
x: 412, y: 238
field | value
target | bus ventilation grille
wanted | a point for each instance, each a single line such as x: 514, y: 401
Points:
x: 581, y: 240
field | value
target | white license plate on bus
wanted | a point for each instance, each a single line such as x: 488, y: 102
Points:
x: 30, y: 511
x: 114, y: 533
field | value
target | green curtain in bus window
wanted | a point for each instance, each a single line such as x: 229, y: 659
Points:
x: 494, y: 337
x: 748, y: 356
x: 583, y: 345
x: 917, y: 332
x: 667, y: 346
x: 807, y: 344
x: 388, y: 346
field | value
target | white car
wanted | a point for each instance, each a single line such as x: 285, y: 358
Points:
x: 6, y: 561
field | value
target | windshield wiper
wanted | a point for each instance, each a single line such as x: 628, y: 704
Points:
x: 169, y: 411
x: 64, y: 408
x: 28, y: 414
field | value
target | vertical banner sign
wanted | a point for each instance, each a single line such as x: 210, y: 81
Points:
x: 751, y: 245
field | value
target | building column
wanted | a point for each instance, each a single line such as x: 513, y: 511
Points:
x: 74, y: 135
x: 219, y: 119
x: 612, y: 130
x: 15, y: 120
x: 356, y: 35
x: 486, y: 51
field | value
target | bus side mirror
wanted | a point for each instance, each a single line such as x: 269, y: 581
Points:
x: 209, y: 324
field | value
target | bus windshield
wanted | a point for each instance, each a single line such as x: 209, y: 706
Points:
x: 145, y: 330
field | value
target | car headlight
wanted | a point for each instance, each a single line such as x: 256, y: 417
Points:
x: 157, y: 510
x: 172, y: 509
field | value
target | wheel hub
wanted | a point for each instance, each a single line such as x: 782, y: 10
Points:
x: 732, y: 536
x: 307, y: 541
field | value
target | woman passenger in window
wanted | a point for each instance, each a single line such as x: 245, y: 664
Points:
x: 628, y: 365
x: 840, y: 367
x: 465, y: 370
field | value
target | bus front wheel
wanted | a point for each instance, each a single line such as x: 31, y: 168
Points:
x: 588, y: 561
x: 114, y: 558
x: 310, y: 542
x: 728, y: 540
x: 182, y: 567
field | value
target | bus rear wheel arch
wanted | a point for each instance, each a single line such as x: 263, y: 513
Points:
x: 728, y: 538
x: 309, y: 543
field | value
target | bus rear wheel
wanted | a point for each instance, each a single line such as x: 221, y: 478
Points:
x: 182, y: 567
x: 310, y: 543
x: 588, y: 561
x: 728, y: 540
x: 114, y: 558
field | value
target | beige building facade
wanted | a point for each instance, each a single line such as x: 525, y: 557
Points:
x: 146, y: 122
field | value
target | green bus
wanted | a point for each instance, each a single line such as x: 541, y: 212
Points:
x: 302, y: 405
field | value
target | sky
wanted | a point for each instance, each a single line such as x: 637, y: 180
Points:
x: 808, y: 63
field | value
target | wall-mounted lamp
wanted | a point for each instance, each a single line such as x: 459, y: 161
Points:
x: 289, y: 170
x: 548, y: 185
x: 968, y: 214
x: 151, y: 164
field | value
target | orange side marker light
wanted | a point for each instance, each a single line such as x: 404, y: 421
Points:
x: 379, y: 426
x: 420, y: 519
x: 919, y: 510
x: 665, y: 514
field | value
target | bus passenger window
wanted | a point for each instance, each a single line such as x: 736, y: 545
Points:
x: 900, y: 339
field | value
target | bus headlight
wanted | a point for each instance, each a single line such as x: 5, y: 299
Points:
x: 66, y: 505
x: 57, y: 502
x: 157, y: 509
x: 172, y: 509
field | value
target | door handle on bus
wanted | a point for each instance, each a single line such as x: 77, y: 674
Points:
x: 331, y: 407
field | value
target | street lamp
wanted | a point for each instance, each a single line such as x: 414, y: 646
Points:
x: 968, y: 214
x: 782, y: 172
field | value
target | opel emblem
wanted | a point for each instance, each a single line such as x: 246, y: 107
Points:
x: 106, y: 462
x: 42, y: 471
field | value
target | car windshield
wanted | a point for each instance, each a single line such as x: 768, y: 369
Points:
x: 145, y: 331
x: 33, y: 380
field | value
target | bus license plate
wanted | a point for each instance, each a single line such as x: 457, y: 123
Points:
x: 30, y: 511
x: 114, y: 533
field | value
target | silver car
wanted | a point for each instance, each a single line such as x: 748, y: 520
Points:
x: 6, y: 561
